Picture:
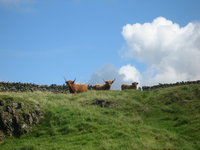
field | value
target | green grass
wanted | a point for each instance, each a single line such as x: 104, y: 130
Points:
x: 158, y: 119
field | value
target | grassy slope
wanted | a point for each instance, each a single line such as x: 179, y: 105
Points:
x: 159, y: 119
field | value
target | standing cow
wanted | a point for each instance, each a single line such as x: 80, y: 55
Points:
x: 105, y: 86
x: 76, y: 88
x: 127, y: 86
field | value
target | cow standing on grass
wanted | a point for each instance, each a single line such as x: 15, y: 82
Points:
x: 127, y: 86
x: 105, y: 86
x: 76, y: 88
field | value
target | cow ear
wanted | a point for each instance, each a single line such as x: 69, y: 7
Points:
x: 74, y: 81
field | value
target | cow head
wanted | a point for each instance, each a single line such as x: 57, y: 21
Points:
x: 70, y: 82
x: 109, y: 82
x: 135, y: 84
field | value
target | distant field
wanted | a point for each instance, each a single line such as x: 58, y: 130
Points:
x: 167, y: 119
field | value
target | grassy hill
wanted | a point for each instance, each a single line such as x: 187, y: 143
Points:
x: 105, y: 120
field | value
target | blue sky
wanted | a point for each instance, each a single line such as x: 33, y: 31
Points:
x: 41, y: 41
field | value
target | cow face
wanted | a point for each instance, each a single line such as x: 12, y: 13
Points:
x: 70, y: 82
x: 135, y: 83
x: 109, y: 82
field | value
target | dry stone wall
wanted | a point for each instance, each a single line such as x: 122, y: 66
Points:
x: 28, y: 87
x: 169, y: 85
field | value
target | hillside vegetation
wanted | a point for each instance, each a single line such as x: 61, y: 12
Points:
x: 113, y: 120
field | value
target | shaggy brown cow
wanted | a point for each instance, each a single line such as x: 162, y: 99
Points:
x: 105, y: 86
x: 76, y: 88
x: 127, y: 86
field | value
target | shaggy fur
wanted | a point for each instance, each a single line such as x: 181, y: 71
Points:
x: 76, y: 88
x: 105, y: 86
x: 127, y: 86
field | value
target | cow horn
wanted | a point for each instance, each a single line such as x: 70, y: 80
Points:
x: 113, y: 80
x: 65, y: 79
x: 74, y: 80
x: 103, y: 80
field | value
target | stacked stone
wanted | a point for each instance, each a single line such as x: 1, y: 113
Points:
x: 28, y: 87
x: 169, y: 85
x: 17, y: 118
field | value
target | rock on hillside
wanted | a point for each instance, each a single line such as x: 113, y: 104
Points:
x: 16, y: 118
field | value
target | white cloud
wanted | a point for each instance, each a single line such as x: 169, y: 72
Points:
x: 171, y: 52
x: 130, y: 73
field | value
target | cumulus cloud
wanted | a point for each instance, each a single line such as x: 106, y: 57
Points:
x: 171, y: 52
x: 130, y: 73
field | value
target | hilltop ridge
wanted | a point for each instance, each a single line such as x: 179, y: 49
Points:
x: 167, y: 118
